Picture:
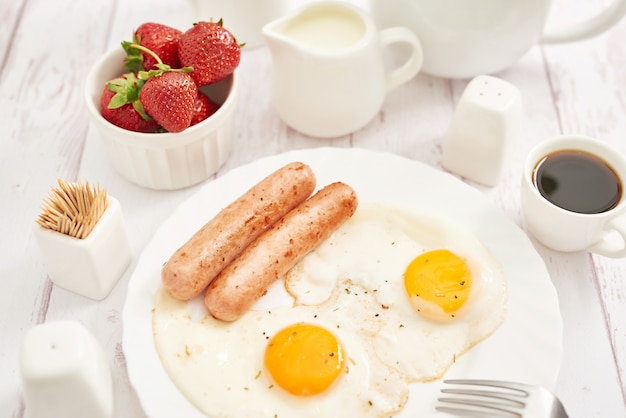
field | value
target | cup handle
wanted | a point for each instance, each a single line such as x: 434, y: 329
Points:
x: 413, y: 64
x: 588, y: 27
x: 612, y: 249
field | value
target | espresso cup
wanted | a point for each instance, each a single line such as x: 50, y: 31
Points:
x: 572, y: 196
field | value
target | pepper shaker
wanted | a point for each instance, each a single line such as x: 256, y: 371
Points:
x: 485, y: 122
x: 64, y: 372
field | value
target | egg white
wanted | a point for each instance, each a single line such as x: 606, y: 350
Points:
x: 353, y: 286
x: 373, y: 250
x: 219, y: 367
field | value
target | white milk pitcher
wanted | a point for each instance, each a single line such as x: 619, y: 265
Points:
x: 329, y: 75
x: 467, y: 38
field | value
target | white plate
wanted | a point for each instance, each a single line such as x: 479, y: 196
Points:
x: 527, y: 347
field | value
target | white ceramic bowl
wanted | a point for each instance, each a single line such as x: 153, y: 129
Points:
x: 164, y: 161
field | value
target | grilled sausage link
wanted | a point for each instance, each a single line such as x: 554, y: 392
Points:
x: 277, y: 250
x: 194, y: 265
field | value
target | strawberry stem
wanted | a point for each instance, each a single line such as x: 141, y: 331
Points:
x: 147, y: 51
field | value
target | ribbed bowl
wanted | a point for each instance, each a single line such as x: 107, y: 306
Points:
x: 163, y: 161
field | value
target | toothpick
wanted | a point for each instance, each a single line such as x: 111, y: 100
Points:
x: 73, y: 209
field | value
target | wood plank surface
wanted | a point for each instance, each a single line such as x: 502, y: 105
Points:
x: 46, y: 49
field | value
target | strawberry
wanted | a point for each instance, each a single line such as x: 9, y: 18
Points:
x: 120, y: 111
x: 169, y: 99
x: 203, y: 108
x: 211, y: 50
x: 160, y: 39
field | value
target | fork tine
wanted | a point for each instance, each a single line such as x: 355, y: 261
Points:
x: 526, y: 400
x: 492, y: 394
x: 479, y: 413
x: 513, y: 386
x: 484, y: 402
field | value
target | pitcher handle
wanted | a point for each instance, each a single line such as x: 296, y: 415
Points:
x: 613, y: 249
x: 413, y: 64
x: 588, y: 27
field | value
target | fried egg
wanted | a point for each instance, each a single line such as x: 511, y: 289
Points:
x: 440, y: 290
x: 305, y: 361
x: 394, y: 296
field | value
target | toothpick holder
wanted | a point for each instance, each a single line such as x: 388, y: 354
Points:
x: 91, y: 266
x: 65, y: 373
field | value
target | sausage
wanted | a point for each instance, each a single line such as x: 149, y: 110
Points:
x: 277, y: 250
x: 194, y: 265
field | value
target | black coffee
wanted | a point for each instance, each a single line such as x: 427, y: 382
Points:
x: 578, y: 181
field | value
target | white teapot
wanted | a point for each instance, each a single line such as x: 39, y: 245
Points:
x: 467, y: 38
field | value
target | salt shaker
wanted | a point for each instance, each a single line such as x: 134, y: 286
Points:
x: 486, y: 120
x: 65, y: 373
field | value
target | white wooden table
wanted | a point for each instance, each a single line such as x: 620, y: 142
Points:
x: 46, y: 48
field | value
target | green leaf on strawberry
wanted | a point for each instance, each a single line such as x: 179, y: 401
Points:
x: 126, y: 116
x: 126, y: 89
x: 134, y: 59
x: 161, y: 39
x: 161, y: 68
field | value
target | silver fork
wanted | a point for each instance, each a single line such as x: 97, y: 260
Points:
x: 508, y: 399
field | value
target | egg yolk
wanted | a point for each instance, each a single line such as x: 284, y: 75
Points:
x: 304, y: 359
x: 438, y: 283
